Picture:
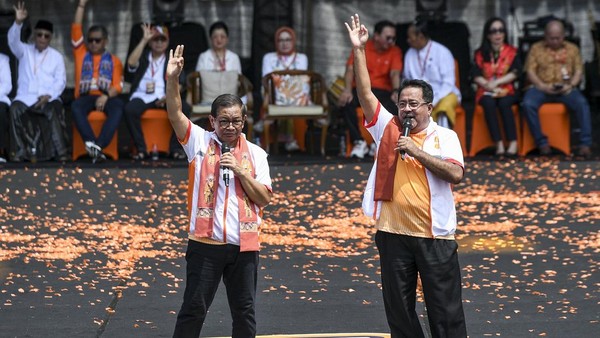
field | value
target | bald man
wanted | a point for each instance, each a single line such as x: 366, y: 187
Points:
x: 554, y: 69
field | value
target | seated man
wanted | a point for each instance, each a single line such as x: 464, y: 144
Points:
x: 146, y: 72
x: 5, y: 88
x: 98, y: 76
x: 36, y: 111
x: 554, y: 68
x: 384, y: 62
x: 431, y: 61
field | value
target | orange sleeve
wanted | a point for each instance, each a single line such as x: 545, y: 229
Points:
x: 117, y: 77
x: 79, y: 50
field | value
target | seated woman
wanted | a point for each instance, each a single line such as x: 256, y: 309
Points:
x: 496, y: 69
x: 285, y: 57
x: 146, y: 66
x: 218, y: 58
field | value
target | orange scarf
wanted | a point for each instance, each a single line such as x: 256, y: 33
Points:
x: 387, y: 158
x: 207, y: 196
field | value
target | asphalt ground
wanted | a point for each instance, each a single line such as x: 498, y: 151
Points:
x: 98, y: 250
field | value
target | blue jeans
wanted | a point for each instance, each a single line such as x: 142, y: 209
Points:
x: 575, y: 102
x: 81, y: 107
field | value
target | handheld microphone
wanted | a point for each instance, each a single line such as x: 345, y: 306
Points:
x: 225, y: 149
x: 406, y: 126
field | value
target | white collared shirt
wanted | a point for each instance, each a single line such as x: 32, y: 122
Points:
x: 154, y: 73
x: 5, y: 79
x: 433, y: 63
x: 40, y: 73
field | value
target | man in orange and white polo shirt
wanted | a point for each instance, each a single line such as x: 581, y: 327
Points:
x: 229, y: 184
x: 409, y: 193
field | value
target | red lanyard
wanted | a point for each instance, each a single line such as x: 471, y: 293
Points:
x: 221, y: 62
x: 286, y: 67
x: 423, y: 65
x: 153, y: 64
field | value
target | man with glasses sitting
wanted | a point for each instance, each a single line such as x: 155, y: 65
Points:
x: 36, y: 112
x: 98, y: 76
x: 384, y: 62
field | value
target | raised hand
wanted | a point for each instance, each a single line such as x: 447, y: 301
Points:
x: 148, y: 33
x: 20, y: 12
x: 359, y: 35
x: 175, y: 65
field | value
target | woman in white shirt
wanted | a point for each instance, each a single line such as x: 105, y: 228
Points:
x: 285, y: 57
x: 218, y: 57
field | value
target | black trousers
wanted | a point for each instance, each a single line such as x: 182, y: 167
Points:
x: 349, y: 111
x: 504, y: 106
x: 40, y: 129
x: 134, y: 109
x: 402, y: 258
x: 4, y: 123
x: 206, y: 265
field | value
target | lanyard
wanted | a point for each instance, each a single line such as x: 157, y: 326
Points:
x: 423, y: 65
x: 221, y: 61
x: 281, y: 61
x: 496, y: 63
x: 35, y: 64
x: 154, y: 66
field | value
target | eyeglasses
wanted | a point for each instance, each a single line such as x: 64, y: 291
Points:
x: 285, y: 40
x: 227, y: 123
x: 390, y: 38
x: 43, y: 35
x: 95, y: 40
x: 160, y: 39
x: 410, y: 104
x: 497, y: 31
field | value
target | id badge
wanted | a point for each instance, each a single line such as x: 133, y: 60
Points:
x: 149, y: 87
x: 94, y: 84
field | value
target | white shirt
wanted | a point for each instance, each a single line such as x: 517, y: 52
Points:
x: 209, y: 61
x: 40, y: 73
x: 5, y: 79
x: 196, y: 148
x: 272, y: 62
x: 154, y: 74
x: 434, y: 63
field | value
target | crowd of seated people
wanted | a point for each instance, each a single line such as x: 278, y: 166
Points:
x: 32, y: 124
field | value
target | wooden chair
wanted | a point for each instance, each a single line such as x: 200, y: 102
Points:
x: 157, y: 129
x: 96, y: 120
x: 316, y: 110
x: 480, y: 134
x: 201, y: 109
x: 555, y: 123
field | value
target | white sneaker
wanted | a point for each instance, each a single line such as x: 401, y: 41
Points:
x: 322, y: 122
x: 94, y: 151
x: 372, y: 149
x: 259, y: 126
x: 292, y: 146
x: 360, y: 149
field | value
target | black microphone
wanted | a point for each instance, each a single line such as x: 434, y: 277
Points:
x: 406, y: 125
x: 225, y: 149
